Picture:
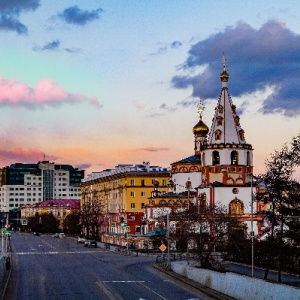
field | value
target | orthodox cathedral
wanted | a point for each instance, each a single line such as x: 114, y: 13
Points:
x: 221, y: 169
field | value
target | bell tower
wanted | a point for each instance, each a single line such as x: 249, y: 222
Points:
x: 226, y: 157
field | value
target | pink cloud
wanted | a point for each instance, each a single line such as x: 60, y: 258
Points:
x: 46, y: 92
x: 153, y: 149
x: 20, y: 155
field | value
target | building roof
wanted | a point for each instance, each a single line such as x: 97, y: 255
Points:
x: 70, y: 203
x: 226, y: 128
x: 190, y: 159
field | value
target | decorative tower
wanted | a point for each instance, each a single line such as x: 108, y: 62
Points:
x: 226, y: 157
x: 200, y: 131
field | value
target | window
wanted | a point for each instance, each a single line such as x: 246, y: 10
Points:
x: 164, y: 182
x: 132, y: 194
x: 143, y: 182
x: 132, y: 205
x: 215, y: 158
x: 143, y: 205
x: 236, y: 207
x: 234, y: 157
x: 218, y: 134
x: 132, y: 182
x: 248, y: 158
x: 143, y: 194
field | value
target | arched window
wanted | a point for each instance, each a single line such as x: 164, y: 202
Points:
x: 219, y: 120
x: 203, y: 159
x: 234, y: 157
x: 236, y: 207
x: 241, y: 134
x: 218, y: 134
x: 215, y: 158
x: 248, y: 159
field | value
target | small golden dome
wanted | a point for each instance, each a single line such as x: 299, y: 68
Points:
x: 201, y: 128
x: 224, y: 76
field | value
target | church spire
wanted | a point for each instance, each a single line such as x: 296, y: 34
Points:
x: 224, y: 75
x: 226, y: 157
x: 226, y: 128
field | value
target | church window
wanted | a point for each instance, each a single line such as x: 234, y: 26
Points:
x: 248, y: 158
x: 241, y: 134
x: 218, y: 134
x: 237, y: 120
x: 194, y: 169
x: 202, y: 202
x: 215, y: 158
x: 234, y: 157
x: 236, y: 207
x: 183, y: 169
x: 233, y: 109
x: 219, y: 120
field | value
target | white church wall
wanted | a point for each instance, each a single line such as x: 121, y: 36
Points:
x: 180, y: 180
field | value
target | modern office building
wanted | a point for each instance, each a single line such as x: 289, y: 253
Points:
x: 31, y: 183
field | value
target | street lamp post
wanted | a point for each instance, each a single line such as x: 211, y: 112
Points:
x: 188, y: 187
x: 252, y: 232
x: 252, y: 229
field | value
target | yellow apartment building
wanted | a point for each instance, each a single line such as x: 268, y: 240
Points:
x: 122, y: 194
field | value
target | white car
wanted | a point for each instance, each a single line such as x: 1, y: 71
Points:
x: 80, y: 240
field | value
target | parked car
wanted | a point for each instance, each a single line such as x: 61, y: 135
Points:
x: 80, y: 240
x: 36, y: 233
x: 90, y: 243
x: 59, y: 235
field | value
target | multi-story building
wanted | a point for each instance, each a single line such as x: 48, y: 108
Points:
x: 123, y: 193
x: 31, y: 183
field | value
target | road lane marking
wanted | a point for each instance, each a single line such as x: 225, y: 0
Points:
x: 141, y: 282
x: 56, y: 252
x: 105, y: 281
x: 107, y: 292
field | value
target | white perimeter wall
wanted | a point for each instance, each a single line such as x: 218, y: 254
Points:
x: 237, y: 286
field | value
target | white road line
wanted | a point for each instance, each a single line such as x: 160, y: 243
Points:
x: 106, y: 281
x: 107, y: 292
x: 56, y: 252
x: 139, y: 282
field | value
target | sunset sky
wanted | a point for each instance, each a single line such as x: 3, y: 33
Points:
x: 100, y: 83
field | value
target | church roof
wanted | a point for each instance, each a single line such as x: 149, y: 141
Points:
x: 226, y: 128
x: 190, y: 159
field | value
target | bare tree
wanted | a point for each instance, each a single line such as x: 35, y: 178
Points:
x: 282, y: 194
x: 92, y: 213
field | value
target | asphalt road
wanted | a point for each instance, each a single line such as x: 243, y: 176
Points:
x: 51, y: 268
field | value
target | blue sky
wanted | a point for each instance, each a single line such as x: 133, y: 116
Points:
x: 98, y: 83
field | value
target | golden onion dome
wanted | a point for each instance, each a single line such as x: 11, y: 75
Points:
x: 201, y: 128
x: 224, y: 76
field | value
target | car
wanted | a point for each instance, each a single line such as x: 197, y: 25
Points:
x: 60, y: 235
x: 36, y: 234
x: 80, y: 240
x: 90, y: 243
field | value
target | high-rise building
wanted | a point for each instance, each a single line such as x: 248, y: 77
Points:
x: 31, y: 183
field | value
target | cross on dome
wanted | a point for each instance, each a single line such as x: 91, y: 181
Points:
x: 224, y: 61
x: 201, y: 108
